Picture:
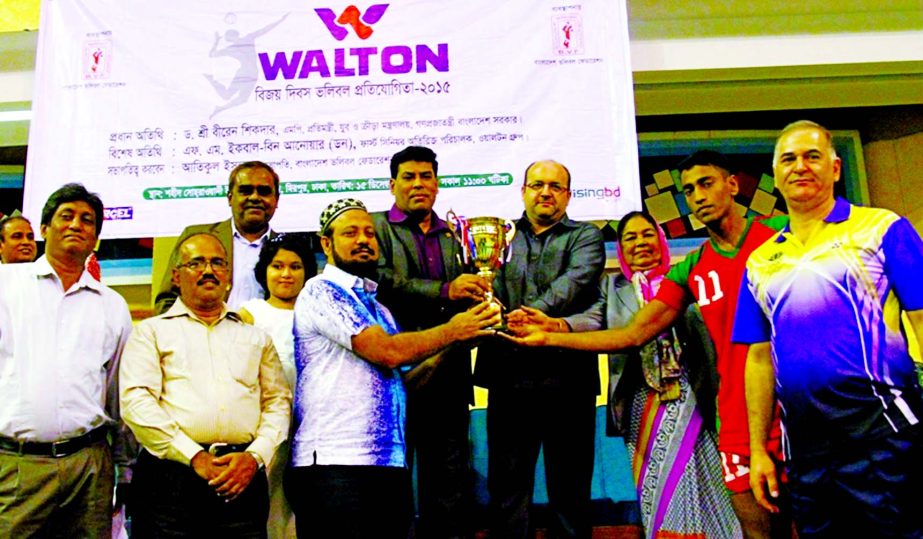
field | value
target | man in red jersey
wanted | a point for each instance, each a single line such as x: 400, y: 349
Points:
x: 711, y: 278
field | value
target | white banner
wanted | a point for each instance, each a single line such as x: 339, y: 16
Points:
x: 151, y: 104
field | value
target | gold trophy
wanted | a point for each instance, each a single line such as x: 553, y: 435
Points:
x: 486, y: 243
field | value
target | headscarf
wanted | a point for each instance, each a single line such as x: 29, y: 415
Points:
x: 660, y: 357
x: 652, y: 277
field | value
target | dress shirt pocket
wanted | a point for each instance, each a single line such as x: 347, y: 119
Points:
x: 244, y: 364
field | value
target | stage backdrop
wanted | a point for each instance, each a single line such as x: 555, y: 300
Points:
x: 151, y: 104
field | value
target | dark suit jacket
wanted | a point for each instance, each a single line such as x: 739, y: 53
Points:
x: 167, y: 293
x: 415, y: 302
x: 567, y: 274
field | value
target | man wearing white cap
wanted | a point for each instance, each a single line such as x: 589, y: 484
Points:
x: 349, y: 476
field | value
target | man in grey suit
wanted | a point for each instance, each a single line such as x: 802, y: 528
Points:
x: 543, y: 398
x: 253, y: 194
x: 422, y: 281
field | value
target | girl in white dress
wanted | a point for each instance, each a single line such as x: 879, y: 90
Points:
x: 285, y: 263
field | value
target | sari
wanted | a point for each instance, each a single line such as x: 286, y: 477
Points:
x: 673, y: 447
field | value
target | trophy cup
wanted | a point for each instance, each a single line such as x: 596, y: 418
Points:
x: 486, y: 243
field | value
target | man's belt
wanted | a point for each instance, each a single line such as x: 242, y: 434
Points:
x: 220, y: 449
x: 54, y: 449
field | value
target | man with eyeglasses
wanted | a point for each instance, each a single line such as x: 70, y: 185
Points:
x: 205, y: 395
x: 543, y: 398
x: 253, y: 194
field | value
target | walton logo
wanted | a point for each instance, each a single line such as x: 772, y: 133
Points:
x: 354, y: 61
x: 351, y: 16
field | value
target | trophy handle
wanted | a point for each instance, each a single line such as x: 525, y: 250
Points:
x: 452, y: 220
x: 455, y: 225
x: 458, y: 226
x: 510, y: 232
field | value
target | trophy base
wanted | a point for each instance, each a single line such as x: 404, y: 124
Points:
x: 501, y: 328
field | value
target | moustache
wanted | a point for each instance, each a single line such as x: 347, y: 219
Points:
x: 208, y: 278
x: 363, y: 250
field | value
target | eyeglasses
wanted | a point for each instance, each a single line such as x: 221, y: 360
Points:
x: 199, y: 264
x: 554, y: 187
x: 261, y: 190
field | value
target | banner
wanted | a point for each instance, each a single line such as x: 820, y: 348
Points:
x: 151, y: 104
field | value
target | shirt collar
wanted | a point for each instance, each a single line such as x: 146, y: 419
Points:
x: 42, y: 268
x: 180, y: 309
x: 839, y: 213
x: 348, y: 280
x: 237, y: 235
x: 397, y: 215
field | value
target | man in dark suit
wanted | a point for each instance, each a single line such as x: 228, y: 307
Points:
x: 543, y: 398
x: 421, y: 281
x: 253, y: 194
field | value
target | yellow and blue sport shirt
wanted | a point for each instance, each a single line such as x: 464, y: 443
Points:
x: 831, y: 310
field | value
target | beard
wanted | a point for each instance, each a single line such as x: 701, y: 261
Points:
x: 365, y: 269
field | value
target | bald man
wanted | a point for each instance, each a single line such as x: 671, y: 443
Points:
x: 543, y: 398
x: 206, y: 397
x: 821, y: 310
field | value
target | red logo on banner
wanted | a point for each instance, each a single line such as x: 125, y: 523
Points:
x: 97, y: 59
x: 351, y: 16
x: 568, y: 34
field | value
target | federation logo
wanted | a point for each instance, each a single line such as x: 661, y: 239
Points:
x: 351, y: 16
x: 97, y: 59
x: 567, y: 32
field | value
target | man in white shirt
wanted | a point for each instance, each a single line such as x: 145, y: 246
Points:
x: 348, y: 475
x: 253, y: 194
x: 205, y: 395
x: 61, y: 335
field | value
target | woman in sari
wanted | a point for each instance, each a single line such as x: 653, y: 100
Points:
x: 662, y: 398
